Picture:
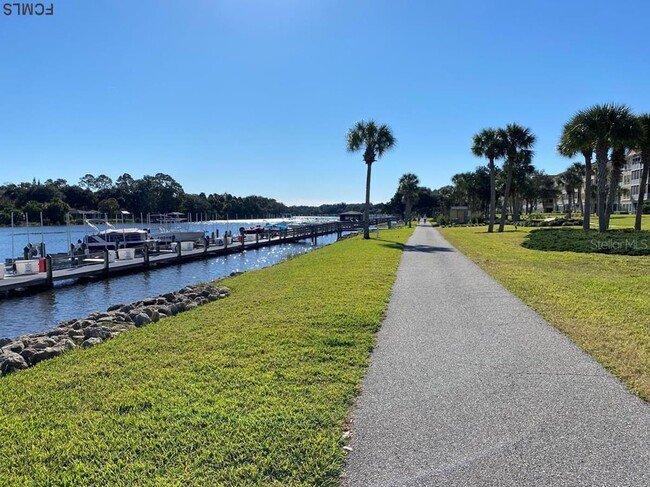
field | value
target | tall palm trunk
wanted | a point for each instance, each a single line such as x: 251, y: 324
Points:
x: 582, y: 209
x: 506, y: 196
x: 407, y: 211
x: 642, y: 188
x: 366, y: 211
x: 493, y: 195
x: 601, y: 162
x: 586, y: 213
x: 516, y: 207
x: 618, y: 159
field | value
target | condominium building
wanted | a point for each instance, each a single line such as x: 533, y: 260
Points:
x: 631, y: 182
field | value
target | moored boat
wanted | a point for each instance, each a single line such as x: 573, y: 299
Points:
x: 112, y: 238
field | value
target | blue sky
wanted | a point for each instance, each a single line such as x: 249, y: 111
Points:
x: 255, y: 97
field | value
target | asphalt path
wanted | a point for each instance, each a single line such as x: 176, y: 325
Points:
x: 470, y: 387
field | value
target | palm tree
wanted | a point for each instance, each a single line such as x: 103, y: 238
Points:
x: 625, y: 135
x: 575, y: 139
x: 408, y: 187
x: 518, y: 141
x: 521, y: 174
x: 607, y: 126
x: 644, y: 146
x: 376, y: 140
x: 488, y: 143
x: 577, y: 170
x: 571, y: 180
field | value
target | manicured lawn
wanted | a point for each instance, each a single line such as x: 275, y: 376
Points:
x: 602, y: 302
x: 250, y: 390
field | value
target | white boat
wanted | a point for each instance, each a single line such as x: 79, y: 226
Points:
x: 171, y: 229
x: 113, y: 238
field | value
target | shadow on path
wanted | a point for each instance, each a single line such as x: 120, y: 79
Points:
x: 427, y: 248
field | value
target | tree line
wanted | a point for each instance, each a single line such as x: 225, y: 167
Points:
x: 604, y: 133
x: 157, y: 194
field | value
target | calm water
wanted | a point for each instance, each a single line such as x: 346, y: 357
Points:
x: 58, y: 239
x: 42, y: 311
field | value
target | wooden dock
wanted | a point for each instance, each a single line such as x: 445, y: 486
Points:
x: 99, y: 266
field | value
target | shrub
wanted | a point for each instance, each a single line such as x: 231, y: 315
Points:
x: 623, y: 242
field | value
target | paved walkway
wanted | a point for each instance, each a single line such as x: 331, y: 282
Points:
x: 468, y: 386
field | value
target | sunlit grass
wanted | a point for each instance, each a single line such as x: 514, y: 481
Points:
x: 252, y: 389
x: 600, y: 301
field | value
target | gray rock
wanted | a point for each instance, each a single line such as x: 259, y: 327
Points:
x: 97, y: 332
x: 97, y: 315
x: 67, y: 344
x: 46, y: 353
x: 16, y: 347
x: 42, y: 343
x: 142, y: 319
x: 5, y: 341
x: 115, y: 307
x: 11, y: 362
x: 91, y: 342
x: 27, y: 353
x: 56, y: 332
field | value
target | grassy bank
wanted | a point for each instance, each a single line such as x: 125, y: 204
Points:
x: 253, y: 389
x: 600, y: 301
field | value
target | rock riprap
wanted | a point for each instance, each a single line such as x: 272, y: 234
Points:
x: 28, y: 350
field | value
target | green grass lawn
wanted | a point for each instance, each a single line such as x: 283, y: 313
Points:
x: 602, y: 302
x: 254, y: 389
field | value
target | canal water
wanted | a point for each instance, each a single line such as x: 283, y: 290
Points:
x: 42, y: 311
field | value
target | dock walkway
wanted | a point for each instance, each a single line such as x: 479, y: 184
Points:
x: 96, y: 267
x: 470, y: 387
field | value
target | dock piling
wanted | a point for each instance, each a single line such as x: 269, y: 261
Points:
x: 106, y: 262
x: 49, y: 283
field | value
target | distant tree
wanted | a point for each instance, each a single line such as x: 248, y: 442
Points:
x: 54, y: 212
x: 78, y: 198
x: 489, y: 143
x: 576, y: 139
x: 87, y: 182
x: 375, y: 141
x: 408, y: 188
x: 426, y: 202
x: 518, y: 142
x: 109, y: 206
x: 33, y: 209
x: 103, y: 182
